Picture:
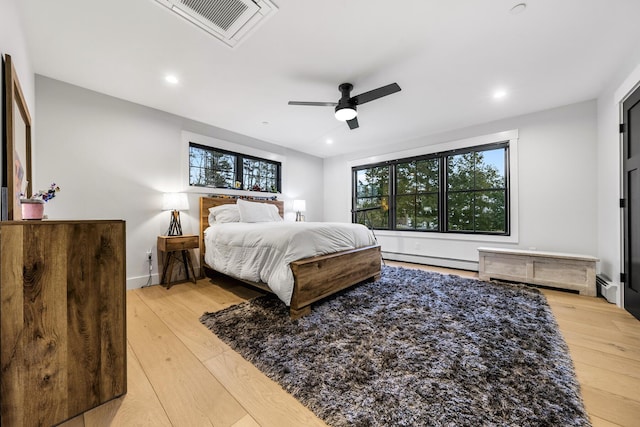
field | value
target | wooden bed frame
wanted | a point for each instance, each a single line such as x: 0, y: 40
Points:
x: 314, y: 278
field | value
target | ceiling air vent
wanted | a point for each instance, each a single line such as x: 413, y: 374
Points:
x: 228, y: 20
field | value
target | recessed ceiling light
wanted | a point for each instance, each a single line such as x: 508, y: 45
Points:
x: 329, y: 141
x: 170, y: 78
x: 519, y: 8
x: 499, y: 94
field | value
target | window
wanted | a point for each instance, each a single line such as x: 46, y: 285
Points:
x: 372, y: 190
x: 209, y: 167
x: 212, y: 167
x: 460, y: 191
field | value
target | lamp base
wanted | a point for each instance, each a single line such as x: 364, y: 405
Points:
x: 175, y: 228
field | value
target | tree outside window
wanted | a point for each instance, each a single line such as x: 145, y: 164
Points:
x: 372, y: 190
x: 476, y: 193
x: 417, y: 186
x: 211, y: 168
x: 260, y: 175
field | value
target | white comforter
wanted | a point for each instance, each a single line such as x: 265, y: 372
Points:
x: 261, y: 252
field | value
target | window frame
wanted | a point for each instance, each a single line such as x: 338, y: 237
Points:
x: 443, y: 190
x: 506, y: 189
x: 239, y: 159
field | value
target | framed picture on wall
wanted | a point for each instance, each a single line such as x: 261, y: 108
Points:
x: 17, y: 143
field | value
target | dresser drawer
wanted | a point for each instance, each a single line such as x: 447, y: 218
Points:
x: 177, y: 243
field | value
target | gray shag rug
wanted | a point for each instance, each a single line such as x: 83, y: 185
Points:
x: 415, y: 348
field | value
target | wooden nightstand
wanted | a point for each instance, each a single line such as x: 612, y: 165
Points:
x: 176, y: 249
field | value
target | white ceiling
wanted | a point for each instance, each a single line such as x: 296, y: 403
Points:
x: 449, y: 56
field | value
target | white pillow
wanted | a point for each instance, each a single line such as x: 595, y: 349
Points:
x: 258, y: 212
x: 223, y: 214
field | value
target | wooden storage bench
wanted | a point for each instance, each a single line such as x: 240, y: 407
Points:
x: 557, y: 270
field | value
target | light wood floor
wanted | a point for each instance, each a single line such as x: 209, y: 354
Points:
x: 180, y: 374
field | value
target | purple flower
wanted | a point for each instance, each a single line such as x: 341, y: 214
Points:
x: 48, y: 194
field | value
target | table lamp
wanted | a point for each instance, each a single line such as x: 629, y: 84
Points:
x: 175, y: 202
x: 299, y: 206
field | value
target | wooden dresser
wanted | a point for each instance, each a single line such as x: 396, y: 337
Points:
x: 62, y: 309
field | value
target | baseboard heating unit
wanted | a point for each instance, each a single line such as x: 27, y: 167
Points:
x: 607, y: 288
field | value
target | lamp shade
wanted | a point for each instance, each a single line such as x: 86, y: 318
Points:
x: 175, y: 202
x: 299, y: 205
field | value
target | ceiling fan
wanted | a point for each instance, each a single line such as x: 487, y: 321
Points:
x: 346, y: 107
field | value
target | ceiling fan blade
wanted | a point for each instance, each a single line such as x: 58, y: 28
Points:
x: 353, y: 123
x: 314, y: 104
x: 375, y: 94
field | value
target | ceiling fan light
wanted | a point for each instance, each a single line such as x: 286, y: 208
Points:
x: 346, y: 113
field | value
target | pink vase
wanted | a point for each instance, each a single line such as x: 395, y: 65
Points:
x: 32, y: 209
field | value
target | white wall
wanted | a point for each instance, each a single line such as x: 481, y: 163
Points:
x: 13, y: 42
x: 114, y: 159
x: 557, y: 188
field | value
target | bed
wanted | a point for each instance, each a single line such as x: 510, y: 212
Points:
x: 314, y: 277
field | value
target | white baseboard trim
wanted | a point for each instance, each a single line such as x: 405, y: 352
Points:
x: 435, y: 261
x: 141, y: 281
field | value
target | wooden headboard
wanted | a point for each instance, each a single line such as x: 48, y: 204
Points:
x: 209, y: 202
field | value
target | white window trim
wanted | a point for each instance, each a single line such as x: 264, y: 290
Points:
x: 208, y: 141
x: 510, y: 135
